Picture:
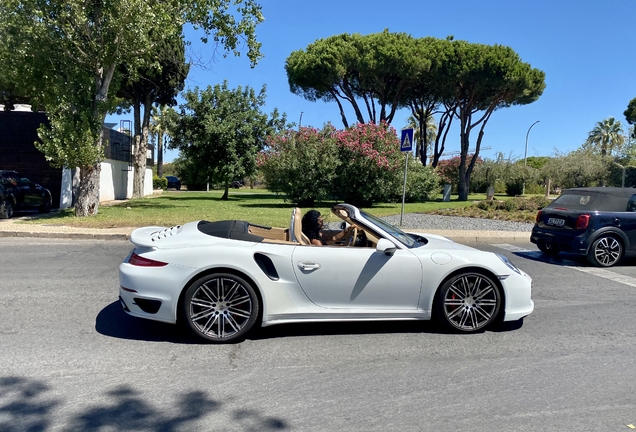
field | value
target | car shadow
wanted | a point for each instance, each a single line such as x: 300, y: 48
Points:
x: 569, y: 259
x: 112, y: 321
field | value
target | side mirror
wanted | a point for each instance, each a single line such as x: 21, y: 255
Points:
x: 386, y: 247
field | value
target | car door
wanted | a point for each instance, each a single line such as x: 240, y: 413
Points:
x: 29, y: 194
x: 351, y: 277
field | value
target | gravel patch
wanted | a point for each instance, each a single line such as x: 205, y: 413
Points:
x: 421, y: 221
x: 454, y: 223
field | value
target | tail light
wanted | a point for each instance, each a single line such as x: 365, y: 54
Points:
x: 137, y: 260
x: 582, y: 222
x: 539, y: 216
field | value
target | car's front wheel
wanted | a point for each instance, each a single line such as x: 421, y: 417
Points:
x: 220, y: 307
x: 6, y: 209
x: 548, y: 248
x: 468, y: 302
x: 605, y: 251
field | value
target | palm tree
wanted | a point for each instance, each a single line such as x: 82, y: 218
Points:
x: 431, y: 134
x: 606, y: 136
x: 159, y: 128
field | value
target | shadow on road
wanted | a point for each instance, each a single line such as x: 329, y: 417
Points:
x: 27, y: 405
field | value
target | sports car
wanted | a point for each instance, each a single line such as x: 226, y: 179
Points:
x: 222, y: 279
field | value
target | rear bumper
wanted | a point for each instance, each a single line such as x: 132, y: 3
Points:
x: 567, y: 243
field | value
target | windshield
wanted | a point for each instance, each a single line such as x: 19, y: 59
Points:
x: 403, y: 237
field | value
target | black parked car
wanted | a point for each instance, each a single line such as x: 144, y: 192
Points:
x: 18, y: 192
x: 598, y: 222
x: 173, y: 182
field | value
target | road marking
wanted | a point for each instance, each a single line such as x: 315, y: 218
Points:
x: 602, y: 273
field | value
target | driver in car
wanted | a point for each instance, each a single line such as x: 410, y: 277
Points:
x: 313, y: 226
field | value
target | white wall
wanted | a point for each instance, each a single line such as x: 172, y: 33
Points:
x: 115, y: 183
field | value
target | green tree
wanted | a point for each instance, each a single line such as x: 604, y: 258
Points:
x: 64, y: 55
x: 159, y: 82
x: 630, y: 114
x: 606, y: 137
x: 220, y: 131
x: 577, y: 169
x: 370, y: 72
x: 428, y: 94
x: 481, y: 80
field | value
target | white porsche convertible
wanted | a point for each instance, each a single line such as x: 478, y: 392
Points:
x: 223, y: 278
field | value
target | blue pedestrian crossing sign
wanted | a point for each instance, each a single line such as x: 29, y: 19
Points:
x: 406, y: 143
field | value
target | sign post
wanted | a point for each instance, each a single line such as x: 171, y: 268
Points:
x: 406, y: 145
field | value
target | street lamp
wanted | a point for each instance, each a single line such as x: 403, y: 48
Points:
x: 525, y: 155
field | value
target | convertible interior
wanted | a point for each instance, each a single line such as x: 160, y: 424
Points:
x: 357, y: 236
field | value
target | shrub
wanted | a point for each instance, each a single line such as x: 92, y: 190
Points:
x: 514, y: 188
x: 534, y: 188
x: 301, y: 165
x: 511, y: 205
x: 159, y: 183
x: 486, y: 205
x: 370, y: 162
x: 422, y: 182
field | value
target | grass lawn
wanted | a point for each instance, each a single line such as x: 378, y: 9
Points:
x: 258, y: 206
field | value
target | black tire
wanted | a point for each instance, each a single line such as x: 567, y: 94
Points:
x: 548, y: 248
x: 220, y: 308
x: 605, y: 251
x: 468, y: 302
x: 6, y: 209
x: 46, y: 205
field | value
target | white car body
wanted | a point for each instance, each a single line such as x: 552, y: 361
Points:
x: 387, y: 281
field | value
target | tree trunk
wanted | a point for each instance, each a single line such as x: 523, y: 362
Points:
x: 160, y: 153
x: 87, y: 203
x: 88, y: 198
x: 226, y: 194
x: 141, y: 147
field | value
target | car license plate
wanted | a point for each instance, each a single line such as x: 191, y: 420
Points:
x: 556, y: 221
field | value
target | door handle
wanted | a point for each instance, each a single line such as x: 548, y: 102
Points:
x: 308, y: 265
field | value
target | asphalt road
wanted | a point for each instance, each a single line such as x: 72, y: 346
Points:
x: 71, y: 360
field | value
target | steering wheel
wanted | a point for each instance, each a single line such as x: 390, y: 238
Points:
x: 352, y: 239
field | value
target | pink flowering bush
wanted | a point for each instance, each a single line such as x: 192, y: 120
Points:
x: 361, y: 165
x: 371, y: 164
x: 448, y: 169
x: 301, y: 165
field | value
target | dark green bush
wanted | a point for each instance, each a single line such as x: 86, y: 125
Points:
x: 159, y: 183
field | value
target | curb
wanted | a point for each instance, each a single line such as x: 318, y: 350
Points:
x: 75, y: 236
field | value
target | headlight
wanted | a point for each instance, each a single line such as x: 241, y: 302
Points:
x: 509, y: 263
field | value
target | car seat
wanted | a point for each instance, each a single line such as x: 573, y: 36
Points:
x: 296, y: 228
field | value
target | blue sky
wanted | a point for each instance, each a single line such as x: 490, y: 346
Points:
x: 585, y: 48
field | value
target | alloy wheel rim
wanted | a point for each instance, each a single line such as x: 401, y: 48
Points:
x: 608, y: 251
x: 220, y: 308
x: 470, y: 302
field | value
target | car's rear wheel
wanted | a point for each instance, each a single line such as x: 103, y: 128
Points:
x: 46, y: 205
x: 6, y: 209
x: 220, y: 307
x: 468, y: 302
x: 548, y: 248
x: 605, y: 251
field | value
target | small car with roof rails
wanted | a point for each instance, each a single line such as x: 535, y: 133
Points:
x: 19, y: 193
x: 596, y: 222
